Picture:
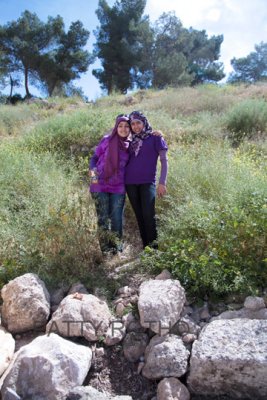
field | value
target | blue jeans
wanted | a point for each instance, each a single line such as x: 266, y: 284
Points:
x: 109, y: 210
x: 142, y: 198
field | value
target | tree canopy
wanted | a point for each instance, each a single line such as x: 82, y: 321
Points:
x: 252, y: 68
x: 116, y: 43
x: 135, y: 53
x: 43, y: 52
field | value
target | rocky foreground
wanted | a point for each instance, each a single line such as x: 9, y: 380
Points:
x: 179, y: 351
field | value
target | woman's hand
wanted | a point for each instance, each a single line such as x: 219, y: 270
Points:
x: 93, y: 176
x: 157, y: 133
x: 161, y: 190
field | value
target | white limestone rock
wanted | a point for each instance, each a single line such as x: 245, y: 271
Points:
x: 26, y: 304
x: 165, y: 356
x: 230, y: 358
x: 47, y: 368
x: 160, y: 304
x: 81, y: 315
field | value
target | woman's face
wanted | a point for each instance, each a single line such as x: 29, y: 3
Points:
x: 137, y: 126
x: 123, y: 129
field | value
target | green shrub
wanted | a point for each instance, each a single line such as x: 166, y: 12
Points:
x: 213, y: 227
x: 59, y: 134
x: 47, y: 221
x: 13, y: 119
x: 246, y: 120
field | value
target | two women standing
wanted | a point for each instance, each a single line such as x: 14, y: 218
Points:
x: 124, y: 161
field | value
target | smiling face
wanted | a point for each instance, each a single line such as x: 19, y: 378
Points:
x: 123, y: 129
x: 137, y: 126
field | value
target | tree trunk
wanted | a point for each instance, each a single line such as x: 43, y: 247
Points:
x: 11, y: 87
x: 28, y: 95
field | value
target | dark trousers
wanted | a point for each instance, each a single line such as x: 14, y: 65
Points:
x: 142, y: 198
x: 109, y: 209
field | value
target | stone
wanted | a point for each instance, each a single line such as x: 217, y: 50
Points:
x: 7, y: 349
x: 134, y: 345
x: 172, y: 389
x: 78, y: 288
x: 254, y: 303
x: 90, y: 393
x: 132, y: 323
x: 81, y: 315
x: 243, y: 313
x: 165, y: 274
x: 184, y: 326
x: 140, y: 367
x: 115, y: 333
x: 230, y: 358
x: 99, y: 352
x: 57, y: 295
x: 120, y: 309
x: 165, y: 356
x: 47, y: 368
x: 160, y: 304
x: 189, y: 338
x: 26, y: 304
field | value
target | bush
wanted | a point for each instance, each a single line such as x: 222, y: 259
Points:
x: 246, y: 120
x: 16, y: 98
x: 13, y: 119
x: 59, y: 133
x: 213, y: 233
x: 47, y: 220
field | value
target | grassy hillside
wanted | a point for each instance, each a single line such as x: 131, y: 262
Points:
x: 212, y: 224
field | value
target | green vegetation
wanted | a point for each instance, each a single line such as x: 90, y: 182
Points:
x: 212, y: 224
x: 246, y: 120
x: 43, y: 52
x: 214, y: 233
x: 177, y: 56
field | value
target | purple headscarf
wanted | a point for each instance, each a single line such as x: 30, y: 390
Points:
x: 115, y: 144
x: 138, y: 139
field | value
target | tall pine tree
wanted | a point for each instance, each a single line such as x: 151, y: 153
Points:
x: 116, y: 44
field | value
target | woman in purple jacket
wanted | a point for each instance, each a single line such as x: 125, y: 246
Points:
x: 140, y: 175
x: 107, y: 170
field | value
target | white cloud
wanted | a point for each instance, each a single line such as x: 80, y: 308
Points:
x: 214, y: 15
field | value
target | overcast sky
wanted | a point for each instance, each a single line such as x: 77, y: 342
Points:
x: 243, y: 23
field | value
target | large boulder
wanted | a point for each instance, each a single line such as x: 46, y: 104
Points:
x: 7, y: 348
x: 160, y: 304
x: 165, y: 356
x: 26, y: 304
x: 81, y: 315
x: 230, y: 359
x: 47, y: 368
